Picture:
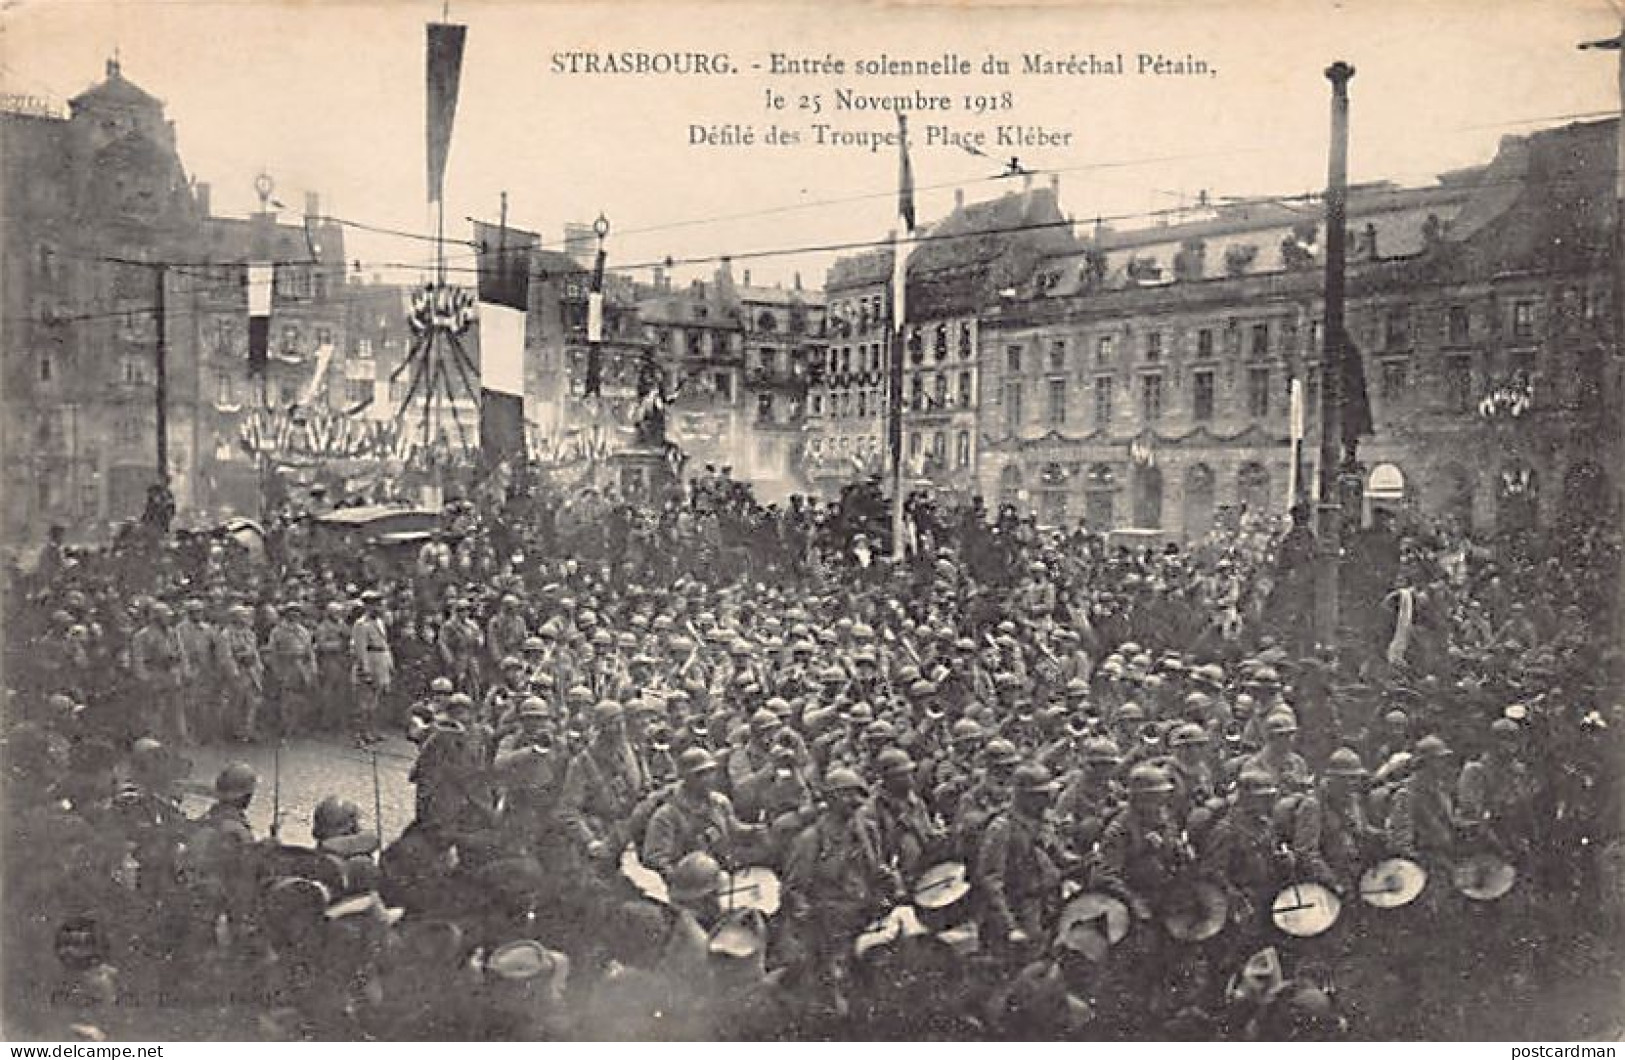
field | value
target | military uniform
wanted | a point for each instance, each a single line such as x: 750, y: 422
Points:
x: 684, y: 824
x: 601, y: 788
x: 1016, y: 875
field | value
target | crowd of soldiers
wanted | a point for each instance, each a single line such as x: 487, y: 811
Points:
x: 1065, y: 796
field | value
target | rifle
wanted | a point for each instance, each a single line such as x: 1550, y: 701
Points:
x: 276, y: 789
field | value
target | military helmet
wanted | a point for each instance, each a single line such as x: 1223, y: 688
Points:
x: 334, y: 817
x: 442, y: 685
x: 1148, y: 779
x: 1256, y: 782
x: 694, y: 761
x: 893, y: 760
x: 1345, y: 762
x: 695, y: 876
x: 1033, y: 779
x: 236, y: 780
x: 842, y: 779
x: 1001, y: 752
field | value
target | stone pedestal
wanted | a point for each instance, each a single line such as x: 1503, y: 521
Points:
x: 643, y: 474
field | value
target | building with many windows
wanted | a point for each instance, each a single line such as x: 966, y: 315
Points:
x: 1132, y: 384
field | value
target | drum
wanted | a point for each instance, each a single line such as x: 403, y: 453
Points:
x: 648, y: 882
x: 942, y: 896
x: 1091, y: 906
x: 756, y: 887
x: 1195, y: 912
x: 1393, y: 883
x: 1484, y: 877
x: 1304, y: 910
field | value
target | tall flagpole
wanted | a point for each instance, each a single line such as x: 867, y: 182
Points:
x: 899, y: 342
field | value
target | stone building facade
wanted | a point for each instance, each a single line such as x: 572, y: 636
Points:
x: 1148, y: 394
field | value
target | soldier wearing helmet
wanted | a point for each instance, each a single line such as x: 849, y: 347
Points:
x: 461, y: 644
x: 987, y: 794
x: 372, y: 666
x: 222, y: 849
x: 1242, y: 851
x: 696, y: 817
x: 1016, y: 867
x: 505, y: 632
x: 1277, y: 758
x: 1091, y: 793
x: 1190, y: 766
x: 1495, y: 793
x: 604, y: 782
x: 420, y: 719
x: 835, y: 879
x: 1421, y: 812
x: 1331, y: 838
x: 903, y: 822
x: 1140, y: 849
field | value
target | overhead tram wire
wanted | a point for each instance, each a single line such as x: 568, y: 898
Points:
x: 1285, y: 201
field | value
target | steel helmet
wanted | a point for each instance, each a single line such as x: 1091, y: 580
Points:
x: 966, y: 729
x: 1147, y: 779
x: 1187, y: 735
x: 1001, y: 752
x: 1281, y: 722
x: 334, y: 817
x: 1102, y: 751
x: 695, y: 761
x: 842, y: 779
x: 1032, y: 778
x: 1256, y: 782
x: 893, y: 760
x: 695, y: 876
x: 1345, y: 762
x: 236, y: 780
x: 1130, y: 711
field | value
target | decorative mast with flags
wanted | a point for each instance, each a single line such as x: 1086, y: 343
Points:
x: 439, y: 314
x: 899, y: 307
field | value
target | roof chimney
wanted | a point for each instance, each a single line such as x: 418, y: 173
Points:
x: 201, y: 192
x: 1055, y: 184
x: 114, y: 71
x: 798, y: 279
x: 959, y: 198
x: 313, y: 205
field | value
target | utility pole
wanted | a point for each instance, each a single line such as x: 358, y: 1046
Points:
x: 1329, y: 529
x: 1613, y: 385
x: 161, y: 376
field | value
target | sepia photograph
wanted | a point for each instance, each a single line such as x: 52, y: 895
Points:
x: 746, y: 521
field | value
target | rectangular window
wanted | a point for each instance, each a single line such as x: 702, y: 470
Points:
x: 1057, y: 355
x: 1261, y: 340
x: 1057, y: 401
x: 324, y: 336
x: 1458, y: 383
x: 363, y: 349
x: 225, y: 388
x: 766, y: 403
x: 939, y: 446
x: 45, y: 368
x: 1103, y: 402
x: 1153, y: 346
x: 1459, y: 326
x: 914, y: 445
x: 1311, y: 394
x: 818, y: 404
x: 916, y: 392
x: 1012, y: 359
x: 1258, y: 393
x: 1204, y: 342
x: 1151, y: 398
x: 1396, y: 330
x: 1012, y: 407
x: 1395, y: 378
x: 764, y: 406
x: 1202, y: 406
x: 1105, y: 348
x: 1523, y: 321
x: 965, y: 393
x: 135, y: 369
x: 962, y: 450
